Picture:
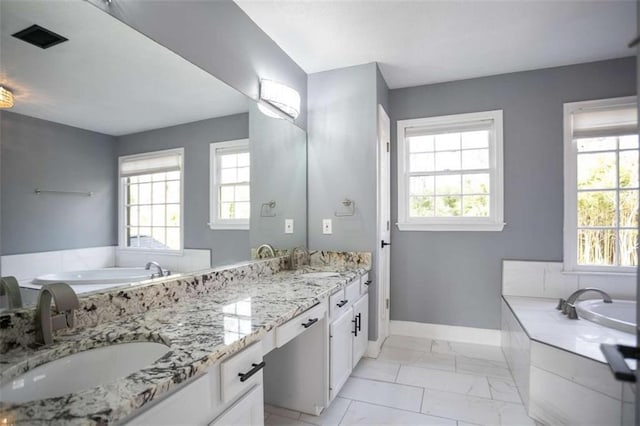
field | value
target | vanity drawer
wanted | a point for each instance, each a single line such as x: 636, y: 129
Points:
x: 240, y: 372
x: 339, y: 302
x: 365, y: 282
x: 352, y: 292
x: 300, y: 324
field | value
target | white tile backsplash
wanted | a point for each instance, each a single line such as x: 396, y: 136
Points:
x: 190, y: 259
x: 547, y: 279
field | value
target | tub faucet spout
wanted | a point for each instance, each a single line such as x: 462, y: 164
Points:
x: 568, y: 306
x: 158, y: 274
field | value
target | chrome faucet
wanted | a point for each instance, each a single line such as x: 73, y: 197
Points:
x: 293, y: 259
x: 270, y: 250
x: 9, y: 287
x: 47, y: 321
x: 160, y: 273
x: 568, y: 307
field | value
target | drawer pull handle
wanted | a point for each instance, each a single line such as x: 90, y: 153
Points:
x: 368, y: 282
x: 256, y: 367
x: 310, y: 322
x: 359, y: 323
x: 355, y: 326
x: 342, y: 303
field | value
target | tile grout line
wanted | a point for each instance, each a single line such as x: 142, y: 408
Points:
x: 345, y: 412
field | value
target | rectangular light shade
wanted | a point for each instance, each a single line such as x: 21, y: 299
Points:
x: 281, y: 97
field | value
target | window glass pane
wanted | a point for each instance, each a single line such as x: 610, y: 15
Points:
x: 158, y: 235
x: 421, y: 162
x: 421, y: 185
x: 421, y: 206
x: 476, y: 206
x: 132, y: 179
x: 144, y: 234
x: 132, y: 237
x: 157, y: 177
x: 477, y: 183
x: 596, y: 144
x: 421, y: 143
x: 448, y: 184
x: 596, y: 247
x: 173, y: 192
x: 629, y: 208
x: 244, y: 174
x: 629, y: 169
x: 228, y: 175
x: 158, y: 192
x: 242, y: 192
x: 628, y: 252
x: 158, y: 215
x: 227, y: 210
x: 597, y: 208
x: 448, y: 206
x: 144, y: 178
x: 597, y: 170
x: 173, y: 214
x: 447, y: 141
x: 145, y: 193
x: 173, y: 175
x: 226, y: 194
x: 475, y: 159
x: 243, y: 159
x: 628, y: 142
x: 132, y: 194
x: 243, y: 210
x: 173, y: 238
x: 228, y: 161
x: 448, y: 160
x: 132, y: 215
x: 478, y: 139
x: 145, y: 215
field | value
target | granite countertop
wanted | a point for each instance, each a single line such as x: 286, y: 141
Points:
x: 543, y: 323
x: 199, y: 331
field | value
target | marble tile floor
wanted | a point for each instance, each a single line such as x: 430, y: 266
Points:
x: 422, y: 382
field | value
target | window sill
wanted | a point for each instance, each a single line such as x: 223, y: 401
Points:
x: 455, y: 227
x: 228, y: 226
x: 150, y: 251
x: 601, y: 272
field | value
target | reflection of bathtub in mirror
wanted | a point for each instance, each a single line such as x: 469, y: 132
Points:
x: 92, y: 279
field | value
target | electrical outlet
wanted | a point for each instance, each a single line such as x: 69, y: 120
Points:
x: 326, y: 226
x: 288, y: 226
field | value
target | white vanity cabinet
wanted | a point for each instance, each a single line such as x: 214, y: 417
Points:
x: 348, y: 332
x: 229, y: 393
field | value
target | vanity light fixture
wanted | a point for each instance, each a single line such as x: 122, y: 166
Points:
x: 277, y: 98
x: 6, y: 98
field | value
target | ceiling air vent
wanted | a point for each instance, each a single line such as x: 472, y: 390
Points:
x: 39, y: 36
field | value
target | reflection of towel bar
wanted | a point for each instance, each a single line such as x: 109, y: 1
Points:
x: 347, y: 203
x: 269, y: 206
x: 44, y: 191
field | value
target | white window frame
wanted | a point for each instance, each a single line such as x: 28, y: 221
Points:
x: 122, y: 204
x: 214, y: 179
x: 495, y: 222
x: 570, y: 251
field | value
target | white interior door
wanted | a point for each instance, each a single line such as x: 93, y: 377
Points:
x: 384, y: 222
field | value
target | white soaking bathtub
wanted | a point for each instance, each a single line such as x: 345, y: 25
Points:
x: 93, y: 279
x: 619, y: 315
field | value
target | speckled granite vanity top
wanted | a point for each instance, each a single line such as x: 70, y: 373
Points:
x: 199, y: 330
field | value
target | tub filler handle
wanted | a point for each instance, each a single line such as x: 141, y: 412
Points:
x: 615, y: 356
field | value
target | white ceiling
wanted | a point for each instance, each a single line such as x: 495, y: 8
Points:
x: 108, y: 77
x: 424, y: 42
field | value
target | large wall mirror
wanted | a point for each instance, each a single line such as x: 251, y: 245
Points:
x: 118, y: 152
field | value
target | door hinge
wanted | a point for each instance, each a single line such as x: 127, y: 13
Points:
x: 387, y: 303
x: 388, y: 146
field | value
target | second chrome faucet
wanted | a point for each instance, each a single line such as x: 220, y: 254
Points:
x: 568, y: 307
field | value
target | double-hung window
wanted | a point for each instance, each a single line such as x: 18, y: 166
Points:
x: 230, y: 185
x: 151, y: 200
x: 601, y: 185
x: 450, y: 173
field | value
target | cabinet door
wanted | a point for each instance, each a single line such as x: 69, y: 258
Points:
x: 247, y: 411
x: 361, y: 338
x: 340, y: 351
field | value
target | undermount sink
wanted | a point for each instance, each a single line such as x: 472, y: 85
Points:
x: 82, y: 370
x: 320, y: 274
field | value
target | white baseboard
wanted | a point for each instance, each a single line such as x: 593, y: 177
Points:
x: 483, y: 336
x: 373, y: 348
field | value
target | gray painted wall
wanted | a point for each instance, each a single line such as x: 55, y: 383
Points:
x: 454, y: 277
x: 342, y: 161
x: 47, y: 155
x: 226, y: 246
x: 279, y: 173
x: 218, y: 37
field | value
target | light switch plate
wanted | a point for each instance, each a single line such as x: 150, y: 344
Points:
x: 288, y: 226
x: 326, y: 226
